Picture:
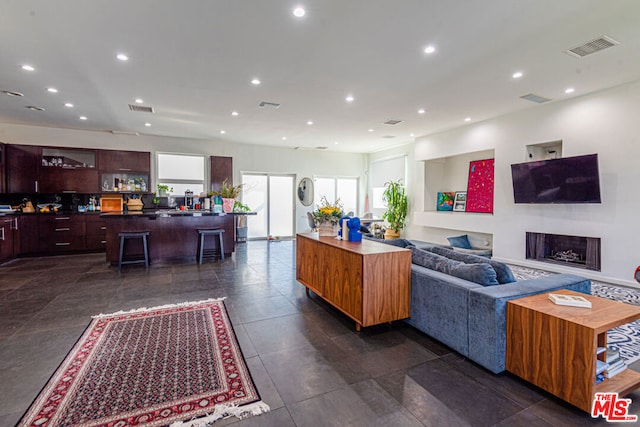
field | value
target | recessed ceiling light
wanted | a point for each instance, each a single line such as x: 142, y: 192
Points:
x: 234, y: 113
x: 12, y: 93
x: 349, y: 98
x: 310, y: 122
x: 148, y: 125
x: 223, y: 131
x: 284, y: 138
x: 335, y: 143
x: 468, y: 119
x: 83, y: 117
x: 569, y: 90
x: 52, y: 90
x: 34, y: 108
x: 68, y: 105
x: 299, y: 12
x: 517, y: 75
x: 139, y: 101
x: 255, y: 82
x: 122, y: 57
x: 412, y: 135
x: 421, y: 111
x: 429, y: 49
x: 370, y: 130
x: 27, y: 67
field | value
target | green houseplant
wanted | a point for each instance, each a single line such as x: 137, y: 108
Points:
x: 229, y: 194
x: 397, y: 208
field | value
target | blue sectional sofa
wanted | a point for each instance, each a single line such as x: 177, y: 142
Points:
x: 457, y: 310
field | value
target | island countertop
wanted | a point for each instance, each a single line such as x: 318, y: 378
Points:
x: 173, y: 234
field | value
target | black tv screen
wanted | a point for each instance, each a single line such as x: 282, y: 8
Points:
x: 566, y: 180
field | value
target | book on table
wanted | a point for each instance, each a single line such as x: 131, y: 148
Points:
x: 613, y: 372
x: 570, y: 300
x: 601, y: 366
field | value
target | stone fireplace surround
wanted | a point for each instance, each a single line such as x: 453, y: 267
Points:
x: 573, y: 251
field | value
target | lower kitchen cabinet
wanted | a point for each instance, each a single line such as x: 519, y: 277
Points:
x: 27, y: 235
x: 96, y: 233
x: 61, y: 233
x: 7, y: 227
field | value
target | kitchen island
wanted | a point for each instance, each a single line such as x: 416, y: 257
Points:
x: 173, y: 234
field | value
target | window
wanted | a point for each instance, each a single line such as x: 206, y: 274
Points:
x: 382, y: 171
x: 181, y: 172
x: 345, y: 189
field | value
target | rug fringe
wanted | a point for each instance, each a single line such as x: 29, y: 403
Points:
x: 160, y: 307
x: 225, y: 411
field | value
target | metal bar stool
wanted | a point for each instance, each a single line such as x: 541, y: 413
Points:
x: 136, y: 259
x: 215, y: 252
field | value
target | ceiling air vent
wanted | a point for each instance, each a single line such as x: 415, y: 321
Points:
x: 593, y: 46
x: 392, y: 122
x: 273, y: 105
x: 12, y: 93
x: 141, y: 108
x: 388, y: 137
x: 535, y: 98
x: 311, y: 148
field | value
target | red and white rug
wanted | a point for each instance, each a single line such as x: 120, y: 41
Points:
x: 178, y: 365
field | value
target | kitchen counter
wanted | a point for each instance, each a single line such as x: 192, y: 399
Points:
x: 173, y: 234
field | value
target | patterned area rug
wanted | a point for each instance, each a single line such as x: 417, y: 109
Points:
x: 626, y: 338
x: 178, y: 365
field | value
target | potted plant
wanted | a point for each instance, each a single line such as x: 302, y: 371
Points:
x: 229, y: 194
x: 241, y: 224
x: 396, y: 199
x: 163, y: 190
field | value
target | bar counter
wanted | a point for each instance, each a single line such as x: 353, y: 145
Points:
x: 173, y: 234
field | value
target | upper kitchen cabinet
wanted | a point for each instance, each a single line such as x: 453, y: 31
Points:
x: 221, y: 170
x: 68, y: 170
x: 22, y: 164
x: 124, y: 161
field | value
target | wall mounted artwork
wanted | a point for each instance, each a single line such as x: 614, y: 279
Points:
x: 445, y: 201
x: 480, y: 186
x: 460, y: 201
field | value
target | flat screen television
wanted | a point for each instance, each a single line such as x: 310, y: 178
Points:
x: 566, y: 180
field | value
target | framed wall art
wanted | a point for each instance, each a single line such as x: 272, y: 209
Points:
x: 445, y: 201
x: 480, y: 186
x: 460, y: 201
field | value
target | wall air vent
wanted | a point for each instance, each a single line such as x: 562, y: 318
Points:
x: 535, y: 98
x: 393, y: 122
x: 141, y: 108
x: 593, y: 46
x: 273, y: 105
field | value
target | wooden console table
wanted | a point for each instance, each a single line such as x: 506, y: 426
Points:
x: 368, y: 281
x: 554, y: 346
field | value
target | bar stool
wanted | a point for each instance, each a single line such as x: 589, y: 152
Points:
x: 137, y: 259
x: 215, y: 252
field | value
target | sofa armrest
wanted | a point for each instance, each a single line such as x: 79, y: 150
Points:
x: 488, y: 314
x: 439, y: 305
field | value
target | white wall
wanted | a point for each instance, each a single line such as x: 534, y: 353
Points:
x: 605, y: 123
x: 246, y: 157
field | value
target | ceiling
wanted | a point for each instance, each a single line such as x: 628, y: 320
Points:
x: 192, y: 61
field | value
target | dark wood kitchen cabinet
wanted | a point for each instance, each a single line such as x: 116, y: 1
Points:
x: 27, y: 236
x: 124, y: 161
x: 68, y: 170
x: 96, y: 232
x: 8, y: 225
x: 221, y: 169
x: 61, y: 233
x: 22, y: 164
x: 3, y: 175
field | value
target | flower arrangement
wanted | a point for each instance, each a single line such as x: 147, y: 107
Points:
x: 327, y: 212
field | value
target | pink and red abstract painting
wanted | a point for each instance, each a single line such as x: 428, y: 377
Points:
x: 480, y: 186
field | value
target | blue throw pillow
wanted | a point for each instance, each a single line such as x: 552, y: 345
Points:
x: 482, y: 274
x: 503, y: 272
x: 460, y: 242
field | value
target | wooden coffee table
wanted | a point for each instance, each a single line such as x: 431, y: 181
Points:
x: 554, y: 346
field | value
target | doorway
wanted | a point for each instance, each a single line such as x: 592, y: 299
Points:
x: 272, y: 197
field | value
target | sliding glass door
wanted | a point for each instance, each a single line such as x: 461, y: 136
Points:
x: 272, y: 197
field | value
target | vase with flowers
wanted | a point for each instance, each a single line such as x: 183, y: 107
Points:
x: 327, y: 216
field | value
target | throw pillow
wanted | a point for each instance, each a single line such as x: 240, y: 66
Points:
x: 482, y: 274
x: 503, y: 272
x: 460, y: 241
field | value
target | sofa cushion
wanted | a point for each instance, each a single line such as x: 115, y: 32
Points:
x: 402, y: 243
x: 460, y: 242
x: 503, y: 272
x: 482, y: 274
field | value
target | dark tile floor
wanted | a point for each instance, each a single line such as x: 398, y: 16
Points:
x: 308, y: 362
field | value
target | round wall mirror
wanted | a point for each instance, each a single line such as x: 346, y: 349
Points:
x: 305, y: 191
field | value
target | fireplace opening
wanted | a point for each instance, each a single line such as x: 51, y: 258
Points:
x: 574, y: 251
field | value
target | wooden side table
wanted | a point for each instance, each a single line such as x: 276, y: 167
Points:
x: 554, y: 346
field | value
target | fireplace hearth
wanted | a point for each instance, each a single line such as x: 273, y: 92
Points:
x: 573, y: 251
